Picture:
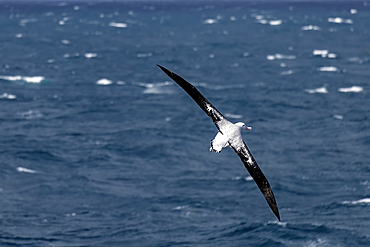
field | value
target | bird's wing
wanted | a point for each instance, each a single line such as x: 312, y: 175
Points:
x: 258, y: 176
x: 241, y: 150
x: 206, y: 106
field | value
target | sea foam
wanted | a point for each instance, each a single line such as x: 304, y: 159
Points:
x: 353, y: 89
x: 317, y: 90
x: 28, y: 79
x: 361, y: 201
x: 22, y: 169
x: 7, y: 96
x: 116, y: 24
x: 104, y: 81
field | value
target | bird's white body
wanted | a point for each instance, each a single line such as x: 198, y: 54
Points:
x: 229, y: 135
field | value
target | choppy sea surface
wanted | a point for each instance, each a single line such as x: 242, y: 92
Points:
x: 100, y: 148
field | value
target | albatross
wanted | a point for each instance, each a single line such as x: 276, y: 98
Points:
x: 229, y: 135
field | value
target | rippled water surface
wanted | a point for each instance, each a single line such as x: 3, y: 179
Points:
x: 100, y: 148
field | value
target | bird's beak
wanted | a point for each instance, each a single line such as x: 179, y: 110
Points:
x: 248, y: 127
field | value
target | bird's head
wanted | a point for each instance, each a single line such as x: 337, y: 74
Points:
x: 242, y: 126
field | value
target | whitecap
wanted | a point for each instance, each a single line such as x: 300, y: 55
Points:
x: 233, y: 115
x: 356, y: 60
x: 259, y: 17
x: 317, y: 90
x: 28, y: 79
x: 280, y: 56
x: 33, y: 79
x: 366, y: 182
x: 22, y: 169
x: 353, y: 89
x: 23, y: 22
x: 66, y: 42
x: 90, y: 55
x: 340, y: 117
x: 353, y: 11
x: 322, y: 53
x: 263, y: 21
x: 11, y: 78
x: 361, y: 201
x: 275, y: 222
x: 248, y: 178
x: 210, y: 21
x: 117, y: 24
x: 275, y: 23
x: 328, y: 69
x: 31, y: 114
x: 156, y: 88
x: 180, y: 207
x: 104, y: 82
x: 19, y: 35
x: 310, y: 27
x: 75, y: 55
x: 7, y: 96
x: 288, y: 72
x: 340, y: 20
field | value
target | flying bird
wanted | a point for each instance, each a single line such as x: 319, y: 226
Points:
x: 229, y: 135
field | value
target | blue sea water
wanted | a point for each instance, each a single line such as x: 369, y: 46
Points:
x: 100, y: 148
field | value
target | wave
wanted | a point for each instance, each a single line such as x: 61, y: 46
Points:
x: 236, y: 116
x: 7, y: 96
x: 324, y: 53
x: 28, y: 79
x: 117, y: 24
x: 90, y: 55
x: 361, y: 201
x: 26, y: 170
x: 353, y: 89
x: 340, y: 20
x: 328, y: 69
x: 280, y: 56
x: 317, y: 90
x: 210, y: 21
x: 157, y: 88
x: 31, y: 114
x: 310, y: 27
x: 104, y: 81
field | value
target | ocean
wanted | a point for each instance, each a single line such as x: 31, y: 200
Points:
x: 100, y: 148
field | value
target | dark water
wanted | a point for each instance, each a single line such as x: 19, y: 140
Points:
x: 99, y: 148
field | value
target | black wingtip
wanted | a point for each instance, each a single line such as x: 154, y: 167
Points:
x: 270, y: 198
x: 164, y: 69
x: 277, y: 215
x: 169, y: 73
